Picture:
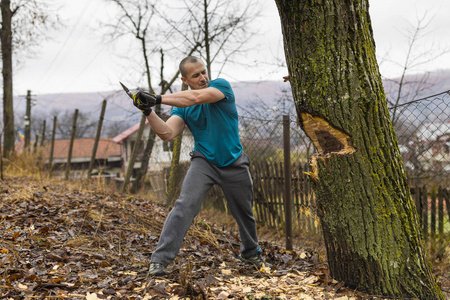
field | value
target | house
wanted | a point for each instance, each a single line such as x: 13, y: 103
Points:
x: 160, y: 159
x: 426, y: 153
x: 107, y: 158
x: 436, y: 140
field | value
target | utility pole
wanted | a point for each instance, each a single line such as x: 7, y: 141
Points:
x: 28, y: 121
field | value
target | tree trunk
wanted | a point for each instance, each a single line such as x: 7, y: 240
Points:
x: 132, y: 160
x: 369, y: 221
x: 174, y: 174
x: 8, y: 110
x: 140, y: 175
x: 207, y: 42
x: 152, y: 135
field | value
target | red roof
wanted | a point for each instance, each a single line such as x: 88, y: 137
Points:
x: 122, y: 136
x: 83, y: 148
x: 119, y: 138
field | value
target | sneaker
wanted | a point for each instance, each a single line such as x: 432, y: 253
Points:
x: 157, y: 269
x: 256, y: 260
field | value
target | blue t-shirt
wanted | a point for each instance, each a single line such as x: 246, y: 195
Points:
x: 214, y: 126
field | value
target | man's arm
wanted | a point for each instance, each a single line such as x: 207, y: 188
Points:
x: 174, y: 125
x: 193, y: 97
x: 166, y: 130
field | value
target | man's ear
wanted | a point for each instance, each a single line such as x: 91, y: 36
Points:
x: 184, y: 80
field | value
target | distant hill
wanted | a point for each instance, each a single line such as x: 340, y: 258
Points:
x: 419, y: 85
x: 120, y: 105
x: 121, y: 113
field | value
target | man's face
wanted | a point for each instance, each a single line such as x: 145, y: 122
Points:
x: 197, y: 76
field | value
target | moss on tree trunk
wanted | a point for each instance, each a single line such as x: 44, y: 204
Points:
x: 367, y: 214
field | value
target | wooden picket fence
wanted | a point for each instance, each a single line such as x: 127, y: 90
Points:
x: 433, y: 210
x: 268, y: 186
x: 433, y: 207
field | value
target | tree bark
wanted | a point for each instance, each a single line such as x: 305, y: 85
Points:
x: 207, y: 42
x: 174, y: 174
x: 133, y: 156
x: 368, y: 217
x: 8, y: 110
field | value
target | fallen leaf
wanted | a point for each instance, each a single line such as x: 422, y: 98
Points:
x: 92, y: 296
x: 223, y: 295
x: 305, y: 297
x: 15, y: 235
x: 310, y: 280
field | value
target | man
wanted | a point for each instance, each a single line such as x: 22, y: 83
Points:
x: 209, y: 111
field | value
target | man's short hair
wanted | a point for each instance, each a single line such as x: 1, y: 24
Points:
x: 189, y: 59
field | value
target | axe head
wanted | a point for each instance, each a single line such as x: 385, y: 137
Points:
x: 126, y: 90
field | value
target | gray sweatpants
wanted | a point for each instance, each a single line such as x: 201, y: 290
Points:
x: 237, y: 185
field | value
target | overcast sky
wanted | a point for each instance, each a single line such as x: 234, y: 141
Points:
x: 76, y: 59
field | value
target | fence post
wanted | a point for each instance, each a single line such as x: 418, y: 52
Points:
x: 43, y: 134
x: 36, y: 143
x: 52, y: 146
x: 97, y: 138
x: 287, y: 181
x: 418, y: 202
x: 1, y: 159
x: 433, y: 217
x: 447, y: 202
x: 441, y: 214
x: 72, y: 138
x: 425, y: 213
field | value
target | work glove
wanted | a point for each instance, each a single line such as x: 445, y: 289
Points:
x: 145, y: 101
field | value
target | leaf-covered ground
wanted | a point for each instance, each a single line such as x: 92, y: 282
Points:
x: 63, y: 241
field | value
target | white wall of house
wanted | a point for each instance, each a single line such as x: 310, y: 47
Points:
x: 162, y: 152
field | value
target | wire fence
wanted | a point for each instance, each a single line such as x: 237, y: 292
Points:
x: 423, y: 132
x: 422, y: 127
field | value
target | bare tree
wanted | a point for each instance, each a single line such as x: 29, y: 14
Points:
x: 23, y: 21
x: 137, y: 17
x: 134, y: 18
x: 408, y: 87
x: 85, y: 129
x: 403, y: 93
x: 114, y: 128
x: 219, y: 27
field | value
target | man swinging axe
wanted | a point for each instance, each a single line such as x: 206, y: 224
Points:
x: 209, y: 111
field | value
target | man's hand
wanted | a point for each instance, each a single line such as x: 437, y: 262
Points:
x: 145, y: 101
